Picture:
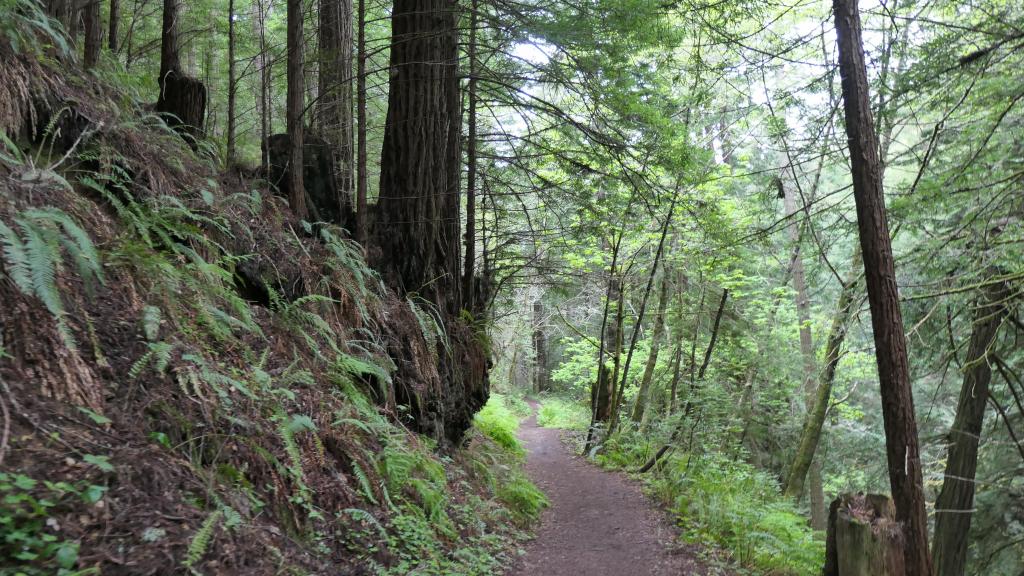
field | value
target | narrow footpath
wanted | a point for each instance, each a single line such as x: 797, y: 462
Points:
x: 599, y: 523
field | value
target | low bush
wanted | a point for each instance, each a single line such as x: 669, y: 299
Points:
x: 563, y: 414
x: 730, y: 504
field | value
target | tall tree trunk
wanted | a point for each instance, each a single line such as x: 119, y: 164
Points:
x: 819, y: 516
x: 265, y: 78
x: 643, y: 396
x: 182, y: 99
x: 113, y: 24
x: 811, y: 433
x: 361, y: 176
x: 617, y: 398
x: 954, y: 506
x: 418, y: 207
x: 902, y: 450
x: 336, y: 96
x: 93, y: 32
x: 232, y: 84
x: 295, y: 106
x: 677, y: 364
x: 540, y: 371
x: 471, y: 161
x: 601, y: 390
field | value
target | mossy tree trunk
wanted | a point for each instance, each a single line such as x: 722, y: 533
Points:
x: 643, y: 397
x: 954, y: 506
x: 811, y: 434
x: 803, y: 314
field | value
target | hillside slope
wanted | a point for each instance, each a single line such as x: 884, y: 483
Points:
x: 194, y: 382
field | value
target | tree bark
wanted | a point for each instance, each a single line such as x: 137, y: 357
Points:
x: 643, y: 396
x: 863, y: 537
x: 811, y: 435
x: 600, y: 394
x: 617, y: 397
x: 540, y: 371
x: 418, y: 210
x: 112, y: 26
x: 902, y: 450
x: 361, y: 177
x: 954, y: 506
x: 232, y: 84
x: 803, y: 313
x: 182, y: 99
x: 265, y: 77
x: 336, y: 97
x: 295, y: 106
x: 471, y: 163
x: 93, y: 32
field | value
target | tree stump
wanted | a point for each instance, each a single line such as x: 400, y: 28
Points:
x: 183, y: 104
x: 864, y: 538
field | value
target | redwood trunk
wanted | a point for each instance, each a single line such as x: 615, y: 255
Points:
x: 232, y: 84
x: 182, y: 98
x: 955, y: 504
x: 112, y: 28
x: 361, y: 178
x: 93, y: 32
x: 471, y: 168
x: 336, y: 97
x: 902, y: 451
x: 295, y: 99
x: 418, y: 208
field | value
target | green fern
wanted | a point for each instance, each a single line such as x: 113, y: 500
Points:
x: 151, y: 317
x: 364, y: 482
x: 201, y: 540
x: 158, y: 354
x: 34, y: 257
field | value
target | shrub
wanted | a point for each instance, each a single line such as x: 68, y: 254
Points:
x: 497, y: 421
x: 563, y: 414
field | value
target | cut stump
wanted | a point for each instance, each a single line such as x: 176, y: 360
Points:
x: 864, y: 538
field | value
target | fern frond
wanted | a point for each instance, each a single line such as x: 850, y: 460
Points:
x: 16, y: 258
x: 197, y: 547
x: 151, y: 318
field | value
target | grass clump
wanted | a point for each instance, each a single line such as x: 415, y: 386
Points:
x: 563, y: 414
x: 498, y: 421
x: 522, y: 498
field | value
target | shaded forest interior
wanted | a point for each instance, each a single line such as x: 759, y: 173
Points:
x: 277, y: 275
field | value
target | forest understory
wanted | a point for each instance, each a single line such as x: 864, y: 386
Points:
x: 479, y: 287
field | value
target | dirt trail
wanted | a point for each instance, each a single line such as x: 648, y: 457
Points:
x: 598, y: 524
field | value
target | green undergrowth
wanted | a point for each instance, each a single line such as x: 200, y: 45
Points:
x: 557, y: 412
x: 728, y: 504
x: 498, y: 420
x: 230, y: 403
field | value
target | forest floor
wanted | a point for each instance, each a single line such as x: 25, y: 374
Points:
x: 599, y: 523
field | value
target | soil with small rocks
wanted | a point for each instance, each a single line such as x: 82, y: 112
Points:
x: 599, y: 522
